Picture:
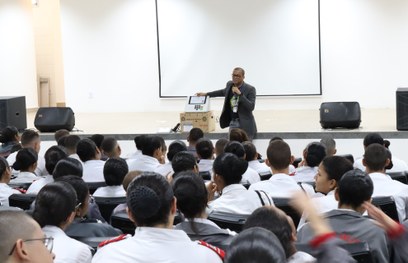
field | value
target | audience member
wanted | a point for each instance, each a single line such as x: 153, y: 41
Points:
x: 98, y: 139
x: 5, y: 189
x: 126, y: 181
x: 174, y: 147
x: 114, y: 172
x: 192, y: 198
x: 152, y: 154
x: 330, y: 145
x: 397, y: 165
x: 26, y: 163
x: 152, y: 207
x: 347, y: 221
x: 280, y: 184
x: 250, y: 176
x: 205, y: 153
x: 370, y: 138
x: 10, y: 141
x: 292, y: 168
x: 313, y: 154
x: 252, y: 157
x: 375, y: 160
x: 139, y: 142
x: 234, y: 198
x: 60, y: 134
x: 52, y: 156
x: 67, y: 166
x: 237, y: 134
x: 194, y: 135
x: 220, y: 145
x: 22, y: 240
x: 184, y: 161
x: 90, y: 155
x: 70, y: 144
x: 54, y: 210
x: 111, y: 148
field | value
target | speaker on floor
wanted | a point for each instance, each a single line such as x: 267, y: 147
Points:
x: 13, y: 112
x: 345, y: 114
x: 51, y: 119
x: 402, y: 109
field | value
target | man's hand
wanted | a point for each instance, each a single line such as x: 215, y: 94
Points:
x: 236, y: 90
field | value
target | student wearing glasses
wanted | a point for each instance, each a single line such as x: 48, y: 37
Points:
x: 23, y: 240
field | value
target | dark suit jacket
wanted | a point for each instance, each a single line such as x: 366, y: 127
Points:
x: 246, y: 105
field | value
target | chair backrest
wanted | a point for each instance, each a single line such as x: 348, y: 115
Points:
x: 399, y: 176
x: 107, y: 204
x: 233, y: 222
x: 296, y: 162
x: 122, y: 222
x: 206, y: 175
x: 94, y: 185
x: 360, y: 251
x: 265, y: 175
x: 283, y: 204
x: 23, y: 201
x: 387, y: 205
x: 93, y: 242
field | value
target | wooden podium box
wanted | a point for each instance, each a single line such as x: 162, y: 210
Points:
x: 203, y: 120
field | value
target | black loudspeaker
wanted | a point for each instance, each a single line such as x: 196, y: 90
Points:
x: 402, y: 109
x: 54, y: 118
x: 13, y: 112
x: 340, y: 115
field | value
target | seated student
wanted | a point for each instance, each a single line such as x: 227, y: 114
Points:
x: 375, y: 160
x: 70, y: 144
x: 251, y: 155
x: 90, y: 155
x: 110, y: 148
x: 184, y: 161
x: 220, y: 145
x: 250, y: 176
x: 238, y: 135
x: 152, y: 154
x: 22, y: 240
x: 152, y: 208
x: 67, y: 166
x: 192, y: 198
x: 126, y: 181
x: 139, y: 142
x: 54, y: 210
x: 398, y: 165
x: 174, y: 147
x: 330, y: 145
x: 370, y: 138
x: 10, y: 141
x: 26, y: 163
x: 98, y: 139
x: 280, y: 184
x: 82, y: 226
x: 61, y: 133
x: 313, y: 154
x: 5, y: 176
x: 347, y: 221
x: 292, y: 168
x: 234, y: 198
x: 52, y: 156
x: 114, y: 171
x: 276, y: 221
x: 193, y: 136
x: 205, y: 153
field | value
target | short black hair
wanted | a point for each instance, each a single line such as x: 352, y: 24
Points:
x: 279, y: 154
x: 25, y: 158
x: 205, y: 148
x: 97, y: 139
x: 71, y: 142
x: 230, y: 168
x: 8, y: 134
x: 354, y: 188
x: 140, y: 141
x: 67, y: 166
x: 336, y: 166
x: 80, y: 187
x: 151, y: 144
x: 109, y: 144
x: 52, y: 156
x: 86, y: 149
x: 315, y: 153
x: 28, y: 137
x: 220, y: 145
x: 183, y: 161
x: 235, y: 148
x: 250, y: 151
x: 114, y: 170
x: 375, y: 156
x: 373, y: 137
x: 195, y: 134
x: 175, y: 147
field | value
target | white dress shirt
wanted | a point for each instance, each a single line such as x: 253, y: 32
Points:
x: 134, y: 155
x: 385, y: 186
x: 305, y: 174
x: 205, y: 165
x: 144, y: 163
x: 151, y: 244
x: 110, y: 191
x: 259, y: 167
x: 237, y: 199
x: 5, y: 192
x: 36, y: 186
x: 164, y: 169
x: 281, y: 185
x: 24, y: 177
x: 250, y: 176
x: 93, y: 171
x: 66, y: 249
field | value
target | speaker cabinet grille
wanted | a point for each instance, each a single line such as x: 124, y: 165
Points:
x: 402, y: 109
x: 13, y: 112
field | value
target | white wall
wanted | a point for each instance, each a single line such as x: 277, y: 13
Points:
x: 17, y: 53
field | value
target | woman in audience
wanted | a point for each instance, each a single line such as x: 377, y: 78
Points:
x: 10, y: 141
x: 67, y: 166
x: 82, y: 226
x: 54, y: 210
x: 235, y: 198
x: 26, y: 163
x: 192, y: 197
x: 114, y: 172
x: 313, y: 154
x: 5, y: 190
x: 152, y: 207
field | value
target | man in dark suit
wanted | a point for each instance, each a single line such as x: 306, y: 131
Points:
x: 238, y: 104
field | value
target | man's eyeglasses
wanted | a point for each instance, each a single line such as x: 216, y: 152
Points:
x: 47, y: 241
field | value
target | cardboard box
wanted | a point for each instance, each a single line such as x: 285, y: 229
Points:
x: 203, y: 120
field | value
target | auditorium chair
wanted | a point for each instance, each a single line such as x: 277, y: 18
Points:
x: 23, y: 201
x: 387, y: 205
x: 121, y: 221
x: 93, y: 242
x: 233, y: 222
x: 94, y: 185
x: 107, y: 204
x: 399, y: 176
x: 265, y: 175
x: 296, y: 162
x: 24, y: 186
x: 206, y: 175
x: 283, y: 204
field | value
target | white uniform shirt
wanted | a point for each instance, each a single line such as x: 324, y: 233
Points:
x: 66, y: 249
x: 259, y: 167
x: 164, y: 169
x: 134, y: 155
x: 385, y: 186
x: 305, y: 174
x: 281, y: 185
x: 5, y: 192
x: 110, y: 191
x: 250, y: 176
x: 301, y: 257
x: 36, y: 186
x: 205, y: 165
x: 24, y: 177
x: 93, y: 171
x: 151, y: 244
x: 237, y: 199
x: 75, y: 156
x: 144, y: 163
